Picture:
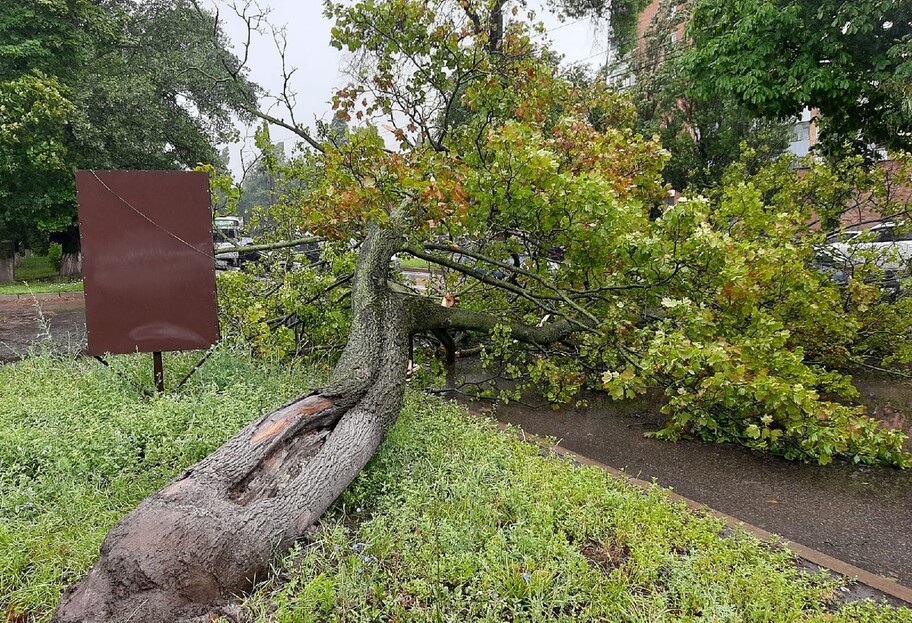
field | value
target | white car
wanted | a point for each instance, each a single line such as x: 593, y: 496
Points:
x: 885, y: 245
x: 226, y: 236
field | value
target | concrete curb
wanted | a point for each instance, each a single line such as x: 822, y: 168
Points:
x: 877, y: 582
x: 40, y: 296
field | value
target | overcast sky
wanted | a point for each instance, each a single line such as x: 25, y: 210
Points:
x: 317, y: 64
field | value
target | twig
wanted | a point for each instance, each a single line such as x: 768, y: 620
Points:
x: 878, y: 369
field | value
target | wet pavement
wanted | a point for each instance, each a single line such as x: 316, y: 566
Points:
x: 27, y: 321
x: 859, y: 514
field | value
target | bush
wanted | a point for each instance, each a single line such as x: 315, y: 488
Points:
x: 55, y: 254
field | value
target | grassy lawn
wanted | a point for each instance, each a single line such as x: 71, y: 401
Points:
x: 410, y: 261
x: 40, y: 287
x: 36, y: 275
x: 451, y: 521
x: 34, y: 268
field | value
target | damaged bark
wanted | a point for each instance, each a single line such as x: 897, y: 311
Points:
x: 189, y: 550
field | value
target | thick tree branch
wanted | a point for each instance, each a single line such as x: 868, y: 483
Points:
x: 535, y: 298
x: 272, y: 246
x: 482, y: 277
x: 559, y: 293
x: 304, y: 134
x: 427, y: 315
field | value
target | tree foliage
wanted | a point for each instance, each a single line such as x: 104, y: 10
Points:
x: 621, y: 15
x: 775, y: 57
x: 34, y: 155
x: 704, y: 133
x: 541, y: 212
x: 108, y: 85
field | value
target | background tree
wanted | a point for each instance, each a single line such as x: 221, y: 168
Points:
x: 545, y: 211
x: 256, y: 190
x: 704, y: 133
x: 776, y: 57
x: 620, y: 15
x: 34, y: 168
x: 137, y: 86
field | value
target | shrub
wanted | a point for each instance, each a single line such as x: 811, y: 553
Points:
x: 55, y: 254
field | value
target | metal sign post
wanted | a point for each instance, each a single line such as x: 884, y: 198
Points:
x: 159, y: 371
x: 148, y: 264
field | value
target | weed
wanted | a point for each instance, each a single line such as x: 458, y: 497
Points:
x: 80, y: 446
x: 468, y: 524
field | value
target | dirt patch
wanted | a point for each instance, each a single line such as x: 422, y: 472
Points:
x: 26, y: 323
x: 606, y: 557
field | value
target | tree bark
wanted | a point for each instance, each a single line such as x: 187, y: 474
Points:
x: 209, y: 535
x: 7, y: 261
x: 7, y: 269
x: 71, y: 264
x: 71, y: 260
x: 188, y: 550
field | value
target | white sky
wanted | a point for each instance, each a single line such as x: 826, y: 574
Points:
x: 317, y: 64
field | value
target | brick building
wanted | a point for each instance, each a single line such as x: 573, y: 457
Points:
x: 863, y: 210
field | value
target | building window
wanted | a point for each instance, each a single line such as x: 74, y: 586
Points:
x: 800, y: 144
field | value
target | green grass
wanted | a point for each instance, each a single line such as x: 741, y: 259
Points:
x: 452, y: 520
x: 456, y: 521
x: 80, y: 446
x: 410, y: 261
x: 35, y: 267
x: 36, y: 275
x: 40, y: 287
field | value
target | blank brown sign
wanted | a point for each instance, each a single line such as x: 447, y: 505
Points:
x: 148, y: 269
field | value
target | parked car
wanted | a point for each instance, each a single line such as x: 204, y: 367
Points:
x: 878, y: 255
x: 887, y: 245
x: 226, y: 235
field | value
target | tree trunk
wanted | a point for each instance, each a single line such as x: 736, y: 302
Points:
x: 186, y: 551
x: 71, y: 264
x: 7, y: 261
x: 7, y: 269
x: 496, y: 28
x: 209, y: 535
x: 71, y: 260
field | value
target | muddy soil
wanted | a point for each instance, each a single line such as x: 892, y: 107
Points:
x: 27, y: 322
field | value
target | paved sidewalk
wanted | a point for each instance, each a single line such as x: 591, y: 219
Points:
x: 858, y: 514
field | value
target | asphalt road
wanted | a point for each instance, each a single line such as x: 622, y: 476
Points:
x: 27, y: 321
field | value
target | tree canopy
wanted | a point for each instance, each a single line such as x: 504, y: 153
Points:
x: 704, y: 133
x: 851, y: 61
x: 542, y: 205
x: 621, y: 16
x: 109, y: 85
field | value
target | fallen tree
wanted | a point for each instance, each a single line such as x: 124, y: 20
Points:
x: 546, y: 216
x: 212, y: 532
